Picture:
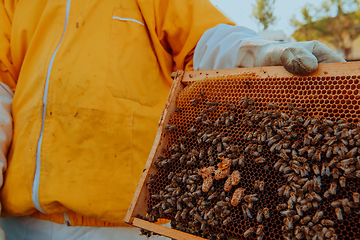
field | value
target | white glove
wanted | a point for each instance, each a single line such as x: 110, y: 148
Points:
x: 6, y: 96
x: 2, y: 234
x: 298, y: 58
x: 226, y: 46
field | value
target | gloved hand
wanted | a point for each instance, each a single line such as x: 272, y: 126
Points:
x: 2, y: 234
x: 226, y: 46
x: 6, y: 96
x: 298, y: 58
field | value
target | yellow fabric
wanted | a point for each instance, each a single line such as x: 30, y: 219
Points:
x: 108, y: 84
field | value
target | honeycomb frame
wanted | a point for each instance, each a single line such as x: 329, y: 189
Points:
x: 285, y: 85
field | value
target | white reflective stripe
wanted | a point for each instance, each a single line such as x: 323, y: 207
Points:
x: 35, y: 195
x: 128, y: 19
x: 33, y: 228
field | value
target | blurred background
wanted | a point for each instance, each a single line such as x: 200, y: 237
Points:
x: 335, y: 23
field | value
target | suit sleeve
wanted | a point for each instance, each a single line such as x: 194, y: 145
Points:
x: 180, y: 25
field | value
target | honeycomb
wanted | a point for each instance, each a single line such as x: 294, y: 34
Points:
x: 295, y: 142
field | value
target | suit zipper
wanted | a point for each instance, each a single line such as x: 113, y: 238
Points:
x: 35, y: 194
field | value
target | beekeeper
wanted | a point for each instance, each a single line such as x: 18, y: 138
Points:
x: 90, y: 79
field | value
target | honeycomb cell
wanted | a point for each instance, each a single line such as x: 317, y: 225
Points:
x: 320, y: 99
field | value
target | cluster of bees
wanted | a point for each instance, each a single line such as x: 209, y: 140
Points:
x: 206, y: 187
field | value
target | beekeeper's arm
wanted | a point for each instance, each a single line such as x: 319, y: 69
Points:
x: 226, y: 46
x: 7, y: 78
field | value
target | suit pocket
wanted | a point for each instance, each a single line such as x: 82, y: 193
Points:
x: 133, y: 67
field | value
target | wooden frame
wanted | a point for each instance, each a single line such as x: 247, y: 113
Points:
x: 181, y: 79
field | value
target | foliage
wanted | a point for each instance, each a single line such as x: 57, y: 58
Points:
x: 336, y: 22
x: 263, y: 12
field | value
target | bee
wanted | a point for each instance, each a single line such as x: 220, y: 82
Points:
x: 251, y: 198
x: 306, y: 207
x: 266, y: 212
x: 247, y: 149
x: 202, y: 154
x: 261, y: 185
x: 288, y: 213
x: 178, y: 216
x: 249, y: 232
x: 278, y: 164
x: 227, y: 121
x: 329, y: 233
x: 311, y: 152
x: 305, y: 220
x: 299, y: 210
x: 262, y: 138
x: 287, y: 235
x: 219, y: 147
x: 226, y: 139
x: 316, y: 196
x: 302, y: 151
x: 352, y: 152
x: 329, y: 152
x: 184, y: 213
x: 194, y: 101
x: 260, y: 159
x: 327, y: 223
x: 256, y: 184
x: 356, y: 197
x: 347, y: 209
x: 300, y: 235
x: 318, y: 215
x: 291, y: 176
x: 281, y: 190
x: 169, y: 210
x: 288, y: 222
x: 211, y: 109
x: 259, y: 215
x: 191, y: 130
x: 307, y: 122
x: 294, y: 186
x: 273, y: 140
x: 281, y: 206
x: 246, y: 211
x: 316, y: 169
x: 336, y: 203
x: 212, y: 222
x: 342, y: 181
x: 317, y: 183
x: 237, y: 196
x: 316, y: 139
x: 333, y: 161
x: 317, y: 156
x: 170, y: 127
x: 283, y: 155
x: 309, y: 197
x: 178, y: 206
x: 272, y: 106
x: 344, y: 125
x: 335, y: 173
x: 307, y: 140
x: 227, y: 221
x: 286, y: 169
x: 333, y: 187
x: 259, y: 230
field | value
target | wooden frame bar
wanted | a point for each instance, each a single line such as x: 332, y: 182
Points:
x: 181, y: 79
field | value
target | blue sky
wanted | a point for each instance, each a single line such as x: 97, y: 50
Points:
x: 240, y: 11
